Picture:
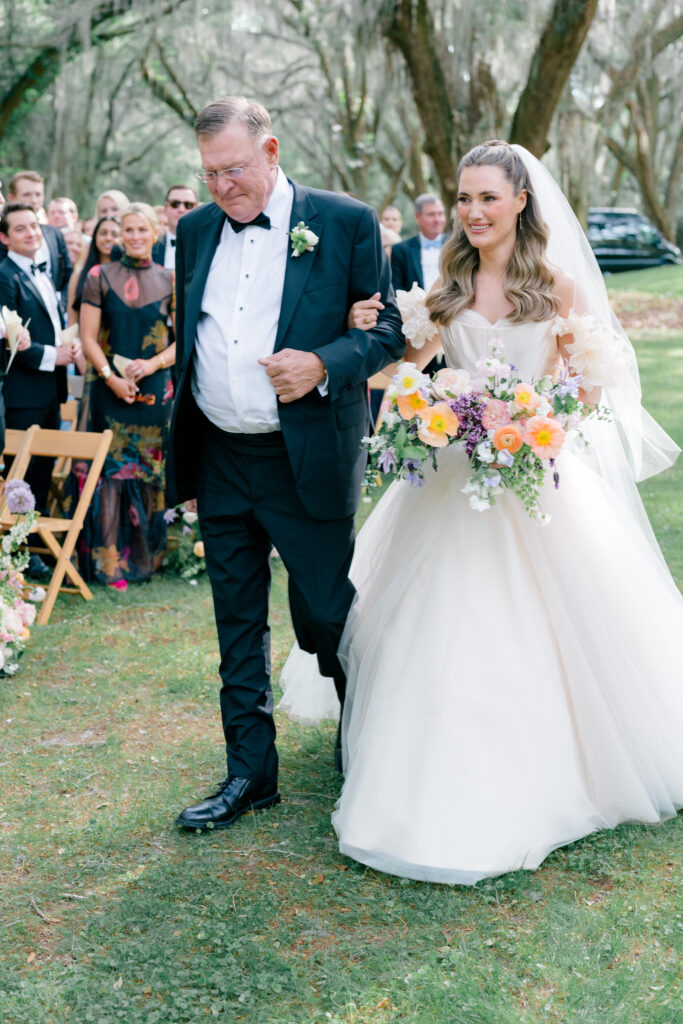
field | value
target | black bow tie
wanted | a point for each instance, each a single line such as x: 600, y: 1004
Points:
x: 38, y: 268
x: 261, y: 221
x: 172, y: 241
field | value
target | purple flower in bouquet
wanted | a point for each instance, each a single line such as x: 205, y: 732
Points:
x: 387, y: 461
x: 170, y: 516
x: 187, y: 530
x: 469, y: 409
x: 413, y: 477
x: 19, y: 497
x: 568, y: 384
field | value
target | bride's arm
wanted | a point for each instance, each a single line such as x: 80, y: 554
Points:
x: 565, y: 290
x: 363, y: 316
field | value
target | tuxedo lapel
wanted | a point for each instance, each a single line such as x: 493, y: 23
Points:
x: 298, y: 267
x: 416, y: 253
x: 207, y: 242
x: 28, y: 284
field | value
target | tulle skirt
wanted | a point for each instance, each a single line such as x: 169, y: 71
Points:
x: 511, y: 687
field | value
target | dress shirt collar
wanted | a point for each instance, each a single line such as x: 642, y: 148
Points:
x: 431, y: 243
x: 24, y: 262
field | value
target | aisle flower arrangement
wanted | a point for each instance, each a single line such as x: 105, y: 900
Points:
x: 17, y: 599
x: 184, y: 555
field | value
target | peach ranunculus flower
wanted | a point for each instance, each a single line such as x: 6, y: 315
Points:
x: 437, y: 424
x: 410, y: 405
x: 449, y: 382
x: 544, y: 436
x: 496, y: 414
x: 198, y: 549
x: 508, y: 437
x: 526, y: 398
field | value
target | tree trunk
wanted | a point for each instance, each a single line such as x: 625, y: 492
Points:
x: 557, y: 50
x: 410, y: 28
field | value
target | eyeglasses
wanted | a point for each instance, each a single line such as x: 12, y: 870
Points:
x: 175, y: 204
x: 231, y: 173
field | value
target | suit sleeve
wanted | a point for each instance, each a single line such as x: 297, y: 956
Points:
x: 355, y: 356
x: 32, y: 357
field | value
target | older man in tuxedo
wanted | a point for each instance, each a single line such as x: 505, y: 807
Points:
x: 271, y: 406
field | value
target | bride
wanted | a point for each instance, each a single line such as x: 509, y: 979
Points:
x: 511, y: 687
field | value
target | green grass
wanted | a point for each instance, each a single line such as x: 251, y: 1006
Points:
x: 109, y: 915
x: 666, y: 280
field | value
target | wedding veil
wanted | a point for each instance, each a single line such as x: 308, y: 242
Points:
x: 632, y: 446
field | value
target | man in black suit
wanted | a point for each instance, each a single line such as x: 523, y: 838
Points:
x: 28, y: 187
x: 180, y: 199
x: 271, y: 405
x: 417, y: 259
x: 36, y: 381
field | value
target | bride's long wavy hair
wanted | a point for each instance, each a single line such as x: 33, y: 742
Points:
x: 529, y: 278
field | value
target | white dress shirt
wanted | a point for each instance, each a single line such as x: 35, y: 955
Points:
x: 169, y: 252
x: 429, y: 258
x: 43, y: 283
x: 238, y: 321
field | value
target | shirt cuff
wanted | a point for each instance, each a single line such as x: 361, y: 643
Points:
x: 324, y: 388
x: 49, y: 360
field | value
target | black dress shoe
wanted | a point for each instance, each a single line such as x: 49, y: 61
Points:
x: 37, y: 569
x: 234, y: 798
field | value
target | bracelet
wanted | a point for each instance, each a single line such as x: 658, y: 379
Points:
x: 104, y: 372
x: 162, y: 360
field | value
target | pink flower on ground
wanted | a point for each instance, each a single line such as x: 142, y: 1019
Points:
x: 495, y: 414
x: 544, y: 436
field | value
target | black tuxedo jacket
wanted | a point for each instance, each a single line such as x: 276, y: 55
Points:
x: 322, y: 435
x: 406, y: 264
x: 26, y: 386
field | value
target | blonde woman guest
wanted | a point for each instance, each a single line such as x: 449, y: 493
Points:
x: 125, y: 309
x: 112, y: 203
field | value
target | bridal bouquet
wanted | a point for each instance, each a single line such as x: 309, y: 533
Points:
x: 511, y: 430
x: 17, y: 614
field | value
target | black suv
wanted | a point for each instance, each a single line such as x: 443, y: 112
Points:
x: 625, y: 240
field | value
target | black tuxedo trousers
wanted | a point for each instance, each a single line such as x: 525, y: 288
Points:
x: 247, y: 503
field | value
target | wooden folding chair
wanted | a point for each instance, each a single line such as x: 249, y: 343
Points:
x: 68, y: 412
x: 75, y: 444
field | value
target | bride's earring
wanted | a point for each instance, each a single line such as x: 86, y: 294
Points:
x: 520, y: 220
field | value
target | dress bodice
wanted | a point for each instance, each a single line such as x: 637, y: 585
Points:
x: 531, y: 347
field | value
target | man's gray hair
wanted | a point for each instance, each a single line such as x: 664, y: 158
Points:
x: 424, y: 200
x: 217, y: 115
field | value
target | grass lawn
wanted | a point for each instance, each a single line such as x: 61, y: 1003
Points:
x: 108, y: 914
x: 666, y: 280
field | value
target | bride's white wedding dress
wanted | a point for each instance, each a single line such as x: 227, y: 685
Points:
x: 512, y: 687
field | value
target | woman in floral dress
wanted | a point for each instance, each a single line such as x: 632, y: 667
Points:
x: 124, y: 327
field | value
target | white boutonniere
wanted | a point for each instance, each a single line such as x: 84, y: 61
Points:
x: 303, y: 239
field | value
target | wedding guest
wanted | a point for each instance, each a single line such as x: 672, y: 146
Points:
x: 74, y: 245
x: 180, y: 199
x: 111, y: 204
x: 125, y: 308
x: 62, y: 212
x: 88, y: 226
x: 417, y: 259
x: 389, y: 239
x: 106, y: 235
x: 391, y: 218
x: 36, y: 381
x: 27, y: 187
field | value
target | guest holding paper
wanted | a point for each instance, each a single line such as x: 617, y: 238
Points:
x: 124, y: 316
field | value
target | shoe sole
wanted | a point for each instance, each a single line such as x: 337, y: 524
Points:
x: 210, y: 826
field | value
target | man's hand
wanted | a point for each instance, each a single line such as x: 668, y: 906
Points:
x: 293, y: 374
x: 64, y: 356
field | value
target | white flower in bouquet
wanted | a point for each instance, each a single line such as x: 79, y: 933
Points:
x: 389, y: 417
x: 596, y: 353
x: 190, y: 518
x: 417, y: 326
x: 11, y: 622
x: 409, y: 379
x: 449, y: 383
